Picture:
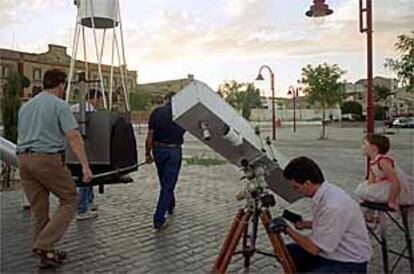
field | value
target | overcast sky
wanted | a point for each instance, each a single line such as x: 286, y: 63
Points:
x: 218, y: 40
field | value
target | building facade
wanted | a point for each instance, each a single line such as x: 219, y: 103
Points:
x: 159, y: 89
x: 399, y: 102
x: 33, y: 66
x: 285, y: 110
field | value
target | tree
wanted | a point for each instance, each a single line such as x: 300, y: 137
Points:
x: 323, y: 87
x: 10, y: 104
x: 140, y: 101
x: 381, y: 94
x: 351, y: 107
x: 242, y: 96
x: 404, y: 64
x: 379, y: 112
x: 251, y: 100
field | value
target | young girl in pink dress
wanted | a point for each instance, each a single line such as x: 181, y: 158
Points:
x: 386, y: 183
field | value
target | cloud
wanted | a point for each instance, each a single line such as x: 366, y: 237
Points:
x: 250, y: 32
x: 11, y: 11
x: 63, y: 37
x: 246, y: 29
x: 249, y: 13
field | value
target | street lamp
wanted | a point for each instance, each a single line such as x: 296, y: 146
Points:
x: 294, y: 92
x: 272, y: 87
x: 318, y: 9
x: 368, y: 29
x: 321, y: 9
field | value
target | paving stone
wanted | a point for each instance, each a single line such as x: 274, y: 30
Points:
x: 122, y: 240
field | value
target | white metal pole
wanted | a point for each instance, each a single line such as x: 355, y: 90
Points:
x: 85, y: 57
x: 121, y: 68
x: 97, y: 56
x: 73, y: 59
x: 111, y: 87
x: 123, y: 57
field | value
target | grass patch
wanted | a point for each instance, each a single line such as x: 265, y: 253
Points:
x: 203, y: 161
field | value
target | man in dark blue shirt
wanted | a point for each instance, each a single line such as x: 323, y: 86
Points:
x: 163, y: 145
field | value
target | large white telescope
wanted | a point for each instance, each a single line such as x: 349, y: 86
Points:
x: 202, y: 112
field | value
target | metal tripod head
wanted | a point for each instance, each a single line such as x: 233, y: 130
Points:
x: 255, y: 191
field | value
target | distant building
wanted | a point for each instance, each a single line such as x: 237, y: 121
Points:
x: 159, y: 89
x: 399, y: 102
x: 34, y: 66
x: 284, y: 110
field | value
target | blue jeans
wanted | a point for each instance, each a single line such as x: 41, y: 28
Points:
x: 168, y: 163
x: 308, y: 263
x: 85, y: 197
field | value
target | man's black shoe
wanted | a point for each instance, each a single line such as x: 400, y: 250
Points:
x: 160, y: 226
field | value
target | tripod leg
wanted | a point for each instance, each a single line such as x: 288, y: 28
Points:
x: 246, y: 248
x: 279, y: 248
x: 231, y: 241
x: 227, y: 240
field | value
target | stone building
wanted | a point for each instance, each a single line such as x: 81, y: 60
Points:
x: 34, y: 65
x: 399, y: 102
x: 304, y: 111
x: 159, y: 89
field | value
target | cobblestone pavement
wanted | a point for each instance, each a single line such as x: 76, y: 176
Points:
x: 122, y: 239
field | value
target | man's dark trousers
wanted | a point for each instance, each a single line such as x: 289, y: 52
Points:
x: 308, y: 263
x: 168, y: 163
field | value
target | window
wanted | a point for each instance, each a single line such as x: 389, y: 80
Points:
x: 5, y: 70
x: 37, y: 74
x: 105, y: 81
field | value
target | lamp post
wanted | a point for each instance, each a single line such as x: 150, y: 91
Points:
x: 294, y: 92
x: 272, y: 87
x: 318, y: 9
x: 321, y: 9
x: 368, y: 30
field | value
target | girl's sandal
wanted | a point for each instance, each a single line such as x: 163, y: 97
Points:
x: 50, y: 257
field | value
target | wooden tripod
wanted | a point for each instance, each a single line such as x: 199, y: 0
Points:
x: 239, y: 228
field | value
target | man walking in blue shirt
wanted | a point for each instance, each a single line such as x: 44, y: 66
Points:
x: 163, y: 145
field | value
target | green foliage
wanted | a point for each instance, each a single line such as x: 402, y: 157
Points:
x: 25, y: 81
x: 404, y: 64
x: 323, y: 87
x: 351, y: 107
x: 140, y: 101
x: 196, y: 160
x: 242, y: 96
x: 10, y: 104
x: 380, y: 112
x: 381, y: 93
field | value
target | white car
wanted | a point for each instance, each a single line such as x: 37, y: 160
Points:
x: 400, y: 122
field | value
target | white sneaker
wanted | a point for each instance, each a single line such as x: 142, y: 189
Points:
x: 86, y: 216
x: 93, y: 206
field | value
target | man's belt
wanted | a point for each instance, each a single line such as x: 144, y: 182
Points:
x: 31, y: 151
x: 162, y: 144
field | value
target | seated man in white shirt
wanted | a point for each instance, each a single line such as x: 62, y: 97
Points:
x: 338, y: 242
x: 87, y: 208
